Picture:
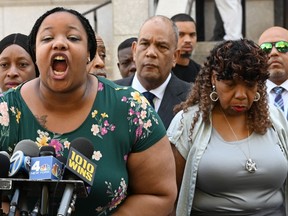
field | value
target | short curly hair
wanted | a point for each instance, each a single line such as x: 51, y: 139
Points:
x: 92, y: 44
x: 237, y: 59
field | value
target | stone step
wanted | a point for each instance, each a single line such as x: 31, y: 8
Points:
x: 202, y: 50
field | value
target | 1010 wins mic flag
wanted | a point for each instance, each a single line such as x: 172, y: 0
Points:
x: 81, y: 166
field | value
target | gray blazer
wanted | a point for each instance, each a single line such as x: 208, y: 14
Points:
x: 175, y: 92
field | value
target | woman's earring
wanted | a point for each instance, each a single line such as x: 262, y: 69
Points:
x: 88, y: 60
x: 213, y: 95
x: 257, y: 96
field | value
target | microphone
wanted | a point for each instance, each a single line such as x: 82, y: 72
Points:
x: 4, y: 170
x: 78, y: 166
x: 63, y: 160
x: 21, y: 158
x: 45, y: 167
x: 19, y: 168
x: 5, y: 154
x: 5, y: 165
x: 28, y: 147
x: 44, y: 205
x: 78, y: 162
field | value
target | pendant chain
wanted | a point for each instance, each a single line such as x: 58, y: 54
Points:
x: 250, y: 165
x: 229, y: 125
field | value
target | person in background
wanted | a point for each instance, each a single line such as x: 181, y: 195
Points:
x: 132, y: 153
x: 274, y: 41
x: 186, y: 69
x: 231, y: 14
x: 126, y: 62
x: 218, y: 30
x: 97, y: 65
x: 230, y: 148
x: 155, y: 54
x: 16, y: 65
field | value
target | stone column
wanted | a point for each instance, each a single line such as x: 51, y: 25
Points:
x: 128, y: 17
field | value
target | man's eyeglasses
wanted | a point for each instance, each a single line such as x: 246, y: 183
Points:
x: 281, y: 46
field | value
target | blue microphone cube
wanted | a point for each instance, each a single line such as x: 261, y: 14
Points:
x: 45, y: 167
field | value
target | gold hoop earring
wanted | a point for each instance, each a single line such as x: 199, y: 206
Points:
x: 213, y: 95
x: 257, y: 96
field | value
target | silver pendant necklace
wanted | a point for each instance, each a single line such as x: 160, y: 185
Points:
x: 250, y: 164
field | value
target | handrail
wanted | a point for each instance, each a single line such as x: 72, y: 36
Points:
x: 94, y: 11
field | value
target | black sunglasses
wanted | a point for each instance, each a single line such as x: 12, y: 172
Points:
x: 281, y: 46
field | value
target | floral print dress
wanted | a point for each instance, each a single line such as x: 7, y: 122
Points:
x: 121, y: 122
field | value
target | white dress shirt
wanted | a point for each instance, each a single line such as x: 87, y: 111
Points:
x: 158, y: 92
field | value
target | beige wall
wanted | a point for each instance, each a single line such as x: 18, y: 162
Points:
x: 127, y: 19
x: 122, y: 19
x: 20, y: 18
x: 20, y: 15
x: 116, y: 21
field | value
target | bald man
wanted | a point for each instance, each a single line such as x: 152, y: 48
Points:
x: 274, y: 41
x: 155, y: 55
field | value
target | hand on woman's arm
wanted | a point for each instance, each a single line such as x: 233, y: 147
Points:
x: 152, y: 182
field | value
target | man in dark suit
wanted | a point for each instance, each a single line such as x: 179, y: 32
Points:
x: 155, y: 54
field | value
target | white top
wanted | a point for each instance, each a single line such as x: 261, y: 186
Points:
x: 158, y: 92
x: 193, y: 146
x: 225, y: 187
x: 272, y: 95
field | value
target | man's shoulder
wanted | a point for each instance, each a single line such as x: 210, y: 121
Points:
x: 127, y: 81
x: 175, y: 81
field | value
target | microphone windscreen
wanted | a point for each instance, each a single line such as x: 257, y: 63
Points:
x: 4, y: 166
x: 5, y: 153
x: 83, y: 145
x: 28, y: 147
x: 47, y: 151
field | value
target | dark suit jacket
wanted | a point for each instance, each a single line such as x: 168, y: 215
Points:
x: 175, y: 92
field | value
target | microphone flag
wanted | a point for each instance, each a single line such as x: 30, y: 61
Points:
x: 81, y: 166
x: 45, y: 167
x: 18, y: 163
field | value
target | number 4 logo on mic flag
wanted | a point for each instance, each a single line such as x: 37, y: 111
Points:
x: 81, y: 166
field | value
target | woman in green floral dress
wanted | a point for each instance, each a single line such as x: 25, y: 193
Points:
x: 135, y: 172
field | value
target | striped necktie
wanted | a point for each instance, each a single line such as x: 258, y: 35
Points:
x: 149, y: 96
x: 278, y: 102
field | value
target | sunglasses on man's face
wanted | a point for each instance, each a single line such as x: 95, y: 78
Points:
x: 281, y: 46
